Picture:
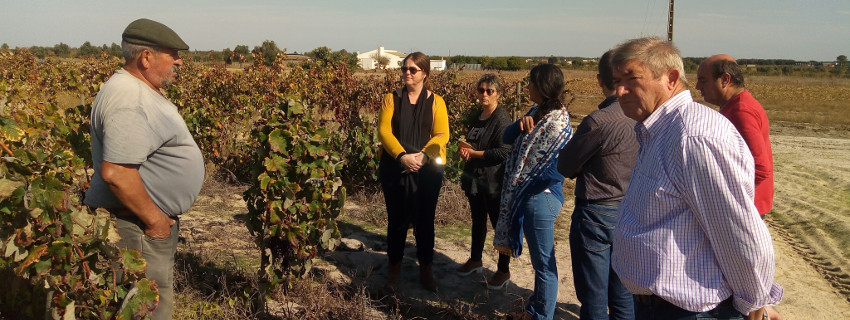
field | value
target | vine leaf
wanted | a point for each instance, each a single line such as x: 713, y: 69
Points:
x: 141, y: 301
x: 33, y: 257
x: 10, y: 130
x: 277, y: 141
x: 7, y: 187
x: 133, y: 260
x: 11, y: 249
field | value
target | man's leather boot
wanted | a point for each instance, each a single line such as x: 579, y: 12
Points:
x: 426, y: 277
x: 393, y: 276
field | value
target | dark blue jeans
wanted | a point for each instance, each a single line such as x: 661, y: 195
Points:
x: 668, y: 311
x: 598, y: 288
x: 538, y: 225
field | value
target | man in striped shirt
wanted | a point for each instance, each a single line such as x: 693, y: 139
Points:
x: 689, y: 242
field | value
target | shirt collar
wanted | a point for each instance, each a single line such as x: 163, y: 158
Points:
x: 607, y: 102
x: 655, y: 120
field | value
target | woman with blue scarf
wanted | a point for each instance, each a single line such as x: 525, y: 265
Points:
x: 531, y: 192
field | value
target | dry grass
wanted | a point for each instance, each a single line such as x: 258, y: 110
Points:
x: 807, y: 101
x: 581, y: 84
x: 207, y: 289
x: 452, y: 206
x: 318, y: 298
x: 810, y: 103
x: 216, y: 270
x: 813, y: 102
x: 369, y: 208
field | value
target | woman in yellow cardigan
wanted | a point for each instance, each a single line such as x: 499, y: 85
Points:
x: 413, y: 127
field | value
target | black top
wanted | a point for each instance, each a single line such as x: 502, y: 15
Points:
x: 412, y: 123
x: 486, y: 175
x: 601, y: 154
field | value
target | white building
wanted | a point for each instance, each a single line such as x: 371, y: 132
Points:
x: 438, y: 65
x: 368, y: 60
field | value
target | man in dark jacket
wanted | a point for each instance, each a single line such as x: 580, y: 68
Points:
x: 600, y: 156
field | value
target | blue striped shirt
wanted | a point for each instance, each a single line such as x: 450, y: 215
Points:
x: 689, y: 231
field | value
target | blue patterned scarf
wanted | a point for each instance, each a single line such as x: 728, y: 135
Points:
x: 528, y: 158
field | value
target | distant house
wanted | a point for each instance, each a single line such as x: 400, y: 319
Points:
x: 372, y: 59
x: 438, y: 65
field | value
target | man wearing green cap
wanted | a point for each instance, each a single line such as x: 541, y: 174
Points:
x: 147, y: 167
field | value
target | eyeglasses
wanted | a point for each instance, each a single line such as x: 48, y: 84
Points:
x: 489, y: 91
x: 411, y: 69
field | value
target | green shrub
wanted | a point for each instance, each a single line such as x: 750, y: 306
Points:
x: 296, y: 193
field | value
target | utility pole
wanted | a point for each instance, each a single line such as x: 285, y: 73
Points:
x: 670, y: 23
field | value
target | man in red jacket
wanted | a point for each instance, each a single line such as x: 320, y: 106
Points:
x: 721, y: 82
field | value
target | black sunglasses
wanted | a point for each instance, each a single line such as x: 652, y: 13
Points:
x: 411, y: 69
x: 489, y: 91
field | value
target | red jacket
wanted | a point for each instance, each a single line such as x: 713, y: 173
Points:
x: 749, y: 118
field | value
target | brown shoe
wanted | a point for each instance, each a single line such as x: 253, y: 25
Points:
x: 470, y: 267
x: 393, y: 277
x: 499, y: 280
x: 426, y: 277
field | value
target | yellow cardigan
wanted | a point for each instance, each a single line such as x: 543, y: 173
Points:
x: 436, y: 146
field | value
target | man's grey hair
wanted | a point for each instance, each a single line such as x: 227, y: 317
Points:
x: 131, y: 51
x: 657, y: 55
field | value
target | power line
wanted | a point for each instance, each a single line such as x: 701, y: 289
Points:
x: 646, y: 15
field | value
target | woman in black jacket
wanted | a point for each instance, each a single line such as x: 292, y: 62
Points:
x: 482, y: 177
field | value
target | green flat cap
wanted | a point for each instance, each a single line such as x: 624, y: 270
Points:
x: 151, y: 33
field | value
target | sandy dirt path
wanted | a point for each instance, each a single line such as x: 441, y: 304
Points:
x: 810, y: 223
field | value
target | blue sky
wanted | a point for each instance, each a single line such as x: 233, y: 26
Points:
x: 780, y: 29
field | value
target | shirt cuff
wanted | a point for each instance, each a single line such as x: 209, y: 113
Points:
x: 773, y: 298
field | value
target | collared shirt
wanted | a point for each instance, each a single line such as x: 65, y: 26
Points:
x: 749, y: 118
x: 601, y: 153
x: 688, y: 230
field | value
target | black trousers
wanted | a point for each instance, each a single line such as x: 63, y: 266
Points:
x: 411, y: 201
x: 482, y: 206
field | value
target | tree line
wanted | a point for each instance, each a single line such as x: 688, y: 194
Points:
x: 267, y: 52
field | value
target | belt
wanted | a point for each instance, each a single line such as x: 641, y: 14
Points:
x: 652, y: 300
x: 656, y: 301
x: 127, y: 214
x: 607, y: 203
